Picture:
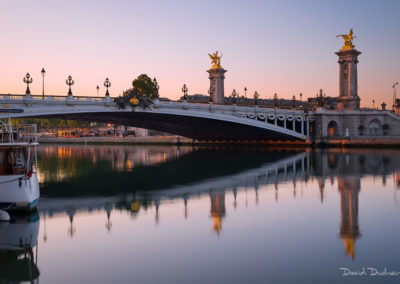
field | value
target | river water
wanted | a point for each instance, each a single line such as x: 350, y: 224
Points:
x: 168, y: 214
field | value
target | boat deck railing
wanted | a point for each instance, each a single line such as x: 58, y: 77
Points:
x: 18, y: 133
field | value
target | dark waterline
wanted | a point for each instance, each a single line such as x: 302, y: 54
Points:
x: 151, y: 214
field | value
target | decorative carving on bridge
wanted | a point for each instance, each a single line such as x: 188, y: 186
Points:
x: 133, y: 100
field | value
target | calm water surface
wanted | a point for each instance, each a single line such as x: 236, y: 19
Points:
x: 128, y: 214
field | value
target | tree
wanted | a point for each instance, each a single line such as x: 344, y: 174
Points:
x: 145, y: 87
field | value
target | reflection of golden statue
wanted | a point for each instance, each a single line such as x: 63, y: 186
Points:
x: 348, y: 40
x: 215, y: 60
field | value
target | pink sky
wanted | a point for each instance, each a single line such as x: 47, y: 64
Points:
x: 285, y: 47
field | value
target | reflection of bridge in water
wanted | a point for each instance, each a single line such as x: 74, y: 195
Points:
x: 296, y: 167
x: 347, y: 167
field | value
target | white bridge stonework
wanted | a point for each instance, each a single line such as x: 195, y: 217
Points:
x: 182, y: 118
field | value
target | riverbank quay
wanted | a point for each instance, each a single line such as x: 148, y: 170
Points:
x: 361, y: 141
x: 370, y: 142
x: 166, y: 140
x: 150, y: 140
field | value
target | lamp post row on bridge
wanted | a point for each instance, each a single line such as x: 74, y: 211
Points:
x: 107, y: 83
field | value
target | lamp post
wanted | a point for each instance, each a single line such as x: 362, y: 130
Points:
x: 185, y: 91
x: 256, y: 95
x: 234, y: 95
x: 245, y: 92
x: 301, y: 97
x: 69, y: 82
x: 275, y: 100
x: 97, y: 90
x: 394, y: 93
x: 373, y: 104
x: 107, y: 84
x: 27, y: 80
x: 156, y: 87
x: 294, y: 102
x: 43, y: 72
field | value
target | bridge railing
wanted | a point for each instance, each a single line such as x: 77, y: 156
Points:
x: 50, y: 98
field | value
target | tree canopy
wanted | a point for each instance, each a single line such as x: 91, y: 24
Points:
x: 143, y: 86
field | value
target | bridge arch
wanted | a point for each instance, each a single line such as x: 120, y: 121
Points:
x: 193, y: 120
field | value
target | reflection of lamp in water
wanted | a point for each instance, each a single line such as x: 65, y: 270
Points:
x: 246, y: 202
x: 234, y: 196
x: 45, y: 233
x: 256, y: 190
x: 185, y: 201
x: 321, y: 185
x: 157, y: 204
x: 349, y: 189
x: 217, y: 209
x: 294, y: 188
x: 71, y: 229
x: 108, y: 208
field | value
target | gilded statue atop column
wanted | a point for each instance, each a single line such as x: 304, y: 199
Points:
x: 348, y: 40
x: 215, y: 60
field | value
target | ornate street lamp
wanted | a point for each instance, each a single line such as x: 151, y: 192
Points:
x: 294, y: 101
x: 256, y: 95
x: 275, y: 99
x: 301, y: 97
x: 28, y: 80
x: 43, y: 72
x: 234, y: 95
x: 245, y: 92
x: 156, y: 87
x: 373, y: 104
x: 69, y: 82
x: 107, y: 84
x: 185, y: 91
x: 394, y: 94
x: 97, y: 90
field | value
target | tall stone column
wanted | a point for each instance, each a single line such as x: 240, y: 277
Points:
x: 217, y: 76
x: 348, y: 81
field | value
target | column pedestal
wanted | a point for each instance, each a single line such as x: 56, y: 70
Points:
x: 348, y: 79
x: 217, y: 76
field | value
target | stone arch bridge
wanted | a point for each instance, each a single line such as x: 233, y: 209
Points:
x: 193, y: 120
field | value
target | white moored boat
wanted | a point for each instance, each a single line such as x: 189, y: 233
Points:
x: 19, y: 187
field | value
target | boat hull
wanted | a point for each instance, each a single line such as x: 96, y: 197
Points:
x: 19, y: 192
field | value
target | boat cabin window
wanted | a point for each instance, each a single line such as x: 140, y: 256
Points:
x: 13, y: 161
x: 17, y: 158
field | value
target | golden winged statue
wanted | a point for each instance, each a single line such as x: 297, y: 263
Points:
x: 348, y: 40
x: 215, y: 60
